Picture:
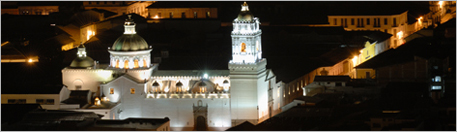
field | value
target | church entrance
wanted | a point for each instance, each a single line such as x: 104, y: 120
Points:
x: 201, y: 124
x: 200, y: 116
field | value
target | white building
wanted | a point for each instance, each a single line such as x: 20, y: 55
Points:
x: 192, y: 99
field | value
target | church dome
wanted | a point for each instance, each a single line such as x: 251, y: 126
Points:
x: 245, y: 16
x: 82, y: 62
x: 129, y: 42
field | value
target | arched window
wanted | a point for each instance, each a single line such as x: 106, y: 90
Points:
x: 243, y: 47
x: 145, y: 64
x: 132, y: 90
x: 117, y: 63
x: 135, y: 63
x: 126, y: 64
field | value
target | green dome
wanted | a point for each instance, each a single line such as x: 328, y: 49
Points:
x: 130, y: 42
x: 245, y: 16
x: 82, y: 62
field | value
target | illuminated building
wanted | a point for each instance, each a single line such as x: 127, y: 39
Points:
x: 120, y: 7
x: 217, y: 99
x: 27, y: 9
x: 181, y: 10
x: 395, y: 24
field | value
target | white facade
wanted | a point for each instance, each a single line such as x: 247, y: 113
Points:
x: 224, y: 98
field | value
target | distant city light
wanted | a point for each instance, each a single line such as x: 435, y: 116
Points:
x: 156, y: 17
x: 205, y: 76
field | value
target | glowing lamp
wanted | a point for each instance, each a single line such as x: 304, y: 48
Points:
x: 205, y: 76
x: 30, y: 60
x: 354, y: 60
x: 441, y: 4
x: 400, y: 34
x: 97, y: 101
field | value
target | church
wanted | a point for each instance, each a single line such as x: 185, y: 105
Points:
x: 131, y: 86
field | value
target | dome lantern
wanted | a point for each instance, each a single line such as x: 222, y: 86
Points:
x: 129, y: 26
x: 245, y: 14
x: 129, y: 41
x: 82, y: 60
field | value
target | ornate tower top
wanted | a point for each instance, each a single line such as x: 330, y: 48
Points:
x: 129, y: 26
x: 246, y: 37
x: 81, y: 50
x: 244, y: 7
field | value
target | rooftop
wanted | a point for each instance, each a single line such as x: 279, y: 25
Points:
x: 192, y: 73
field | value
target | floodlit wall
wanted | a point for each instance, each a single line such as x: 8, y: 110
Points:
x: 88, y: 79
x: 396, y: 24
x: 179, y: 13
x: 180, y: 111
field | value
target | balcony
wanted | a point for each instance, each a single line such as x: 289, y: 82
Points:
x: 187, y: 95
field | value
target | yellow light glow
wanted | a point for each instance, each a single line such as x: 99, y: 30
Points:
x: 361, y: 51
x: 90, y: 34
x: 30, y: 60
x: 354, y: 60
x: 400, y: 34
x: 97, y: 101
x: 156, y: 17
x: 441, y: 4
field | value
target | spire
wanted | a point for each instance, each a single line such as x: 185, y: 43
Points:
x: 244, y: 7
x: 81, y: 50
x: 129, y: 26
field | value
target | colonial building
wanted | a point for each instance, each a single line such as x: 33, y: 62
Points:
x: 130, y: 86
x: 120, y: 7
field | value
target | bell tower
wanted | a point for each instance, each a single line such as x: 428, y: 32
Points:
x: 246, y: 37
x: 249, y: 88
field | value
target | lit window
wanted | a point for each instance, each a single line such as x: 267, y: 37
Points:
x: 437, y: 78
x: 436, y: 87
x: 135, y: 63
x: 111, y: 91
x: 132, y: 91
x: 126, y: 64
x: 278, y: 93
x: 243, y: 47
x: 145, y: 64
